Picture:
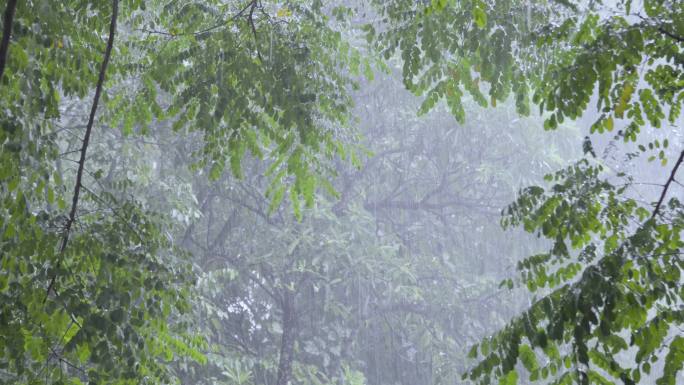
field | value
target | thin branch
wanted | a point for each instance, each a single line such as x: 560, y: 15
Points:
x: 6, y: 32
x: 652, y: 23
x: 116, y: 213
x: 667, y: 184
x: 254, y: 32
x: 671, y: 35
x: 427, y: 206
x: 86, y: 140
x: 59, y: 357
x: 222, y: 23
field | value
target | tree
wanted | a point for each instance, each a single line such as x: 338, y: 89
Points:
x: 95, y: 282
x: 88, y: 288
x: 610, y: 283
x: 387, y: 290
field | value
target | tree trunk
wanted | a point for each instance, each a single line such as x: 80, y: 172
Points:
x: 288, y: 339
x: 7, y: 21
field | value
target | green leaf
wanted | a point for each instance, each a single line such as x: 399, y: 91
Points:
x: 511, y: 378
x: 479, y: 16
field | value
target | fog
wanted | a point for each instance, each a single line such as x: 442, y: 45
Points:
x: 341, y: 193
x: 392, y: 279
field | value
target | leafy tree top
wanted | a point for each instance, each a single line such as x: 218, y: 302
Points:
x: 557, y: 55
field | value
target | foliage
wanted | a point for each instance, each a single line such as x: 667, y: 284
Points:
x: 610, y: 283
x: 99, y: 311
x: 250, y: 78
x: 613, y: 274
x: 543, y: 52
x: 382, y: 285
x: 103, y: 318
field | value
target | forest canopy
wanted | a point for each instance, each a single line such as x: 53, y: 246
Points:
x: 348, y: 192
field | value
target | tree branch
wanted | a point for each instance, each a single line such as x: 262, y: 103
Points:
x: 667, y: 185
x: 86, y: 139
x: 671, y: 35
x: 254, y: 32
x: 659, y: 27
x: 220, y: 24
x: 6, y: 32
x: 423, y: 205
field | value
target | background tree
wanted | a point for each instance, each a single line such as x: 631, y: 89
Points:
x: 392, y: 291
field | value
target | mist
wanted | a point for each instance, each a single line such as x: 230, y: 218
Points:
x: 361, y: 193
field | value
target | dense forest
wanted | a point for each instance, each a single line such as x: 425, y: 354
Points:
x: 381, y: 192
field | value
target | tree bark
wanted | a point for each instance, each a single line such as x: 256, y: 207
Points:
x: 7, y: 20
x: 288, y: 339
